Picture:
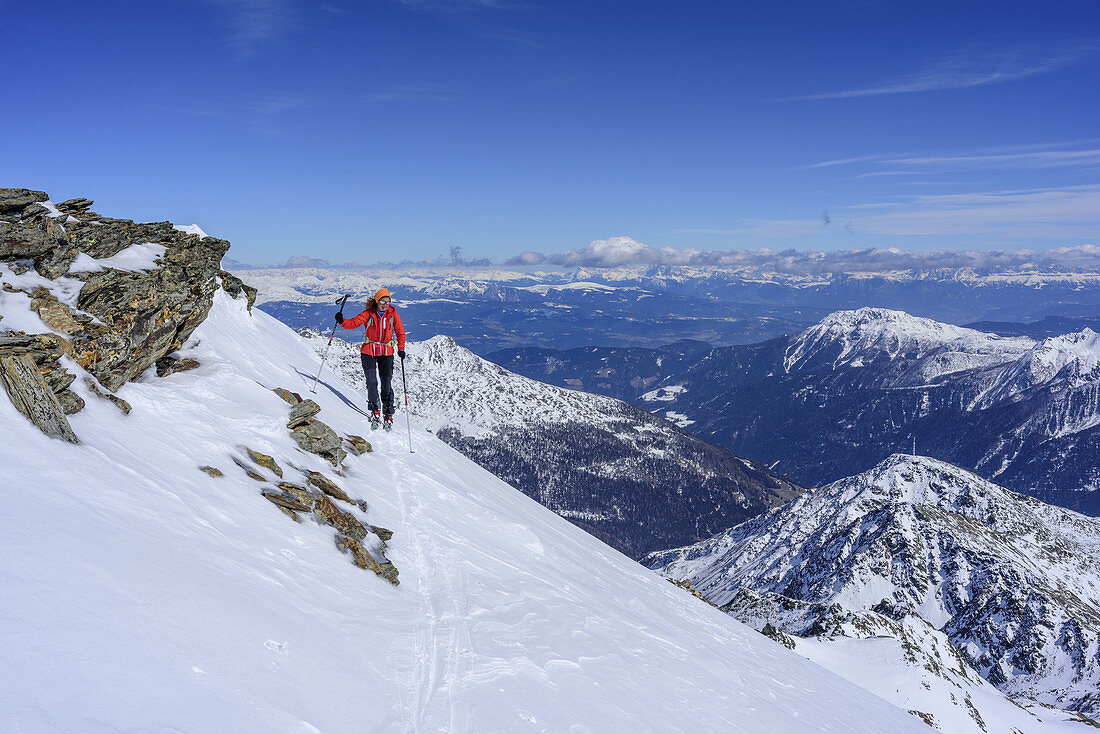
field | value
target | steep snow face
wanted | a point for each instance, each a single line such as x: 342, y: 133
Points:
x: 1072, y: 360
x: 1011, y: 581
x: 871, y: 335
x: 136, y: 585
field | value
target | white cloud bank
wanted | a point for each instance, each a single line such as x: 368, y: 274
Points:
x: 623, y: 251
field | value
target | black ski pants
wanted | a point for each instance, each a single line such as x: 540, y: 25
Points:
x: 384, y: 366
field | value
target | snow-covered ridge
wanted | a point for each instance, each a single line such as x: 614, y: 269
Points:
x: 1004, y: 576
x: 869, y: 335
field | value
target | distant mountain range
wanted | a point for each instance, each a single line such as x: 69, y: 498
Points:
x: 860, y: 385
x: 628, y: 477
x: 489, y: 309
x: 921, y: 552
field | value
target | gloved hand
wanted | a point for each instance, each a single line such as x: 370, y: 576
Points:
x: 401, y: 353
x: 339, y: 317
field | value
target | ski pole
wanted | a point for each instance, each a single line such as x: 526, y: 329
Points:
x: 408, y: 425
x: 341, y: 303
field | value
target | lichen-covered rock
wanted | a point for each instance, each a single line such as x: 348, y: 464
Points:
x: 252, y: 473
x: 212, y: 471
x: 345, y: 522
x: 382, y: 533
x: 33, y: 398
x: 16, y: 200
x: 171, y: 365
x: 316, y: 438
x: 115, y: 399
x: 358, y: 445
x: 265, y: 461
x: 302, y: 413
x: 37, y: 236
x: 291, y: 397
x: 300, y: 493
x: 326, y: 485
x: 70, y: 402
x: 234, y: 286
x: 150, y: 314
x: 59, y: 316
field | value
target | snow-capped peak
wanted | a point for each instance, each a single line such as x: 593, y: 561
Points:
x: 866, y: 335
x: 1006, y: 577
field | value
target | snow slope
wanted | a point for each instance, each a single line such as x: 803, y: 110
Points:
x: 141, y: 595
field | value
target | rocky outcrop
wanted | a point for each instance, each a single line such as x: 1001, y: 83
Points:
x: 33, y: 398
x: 125, y: 319
x: 310, y: 434
x: 37, y: 383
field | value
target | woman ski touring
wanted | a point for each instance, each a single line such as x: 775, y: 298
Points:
x: 383, y: 332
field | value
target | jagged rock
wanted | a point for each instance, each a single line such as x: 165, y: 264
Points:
x: 33, y: 398
x: 252, y: 474
x: 75, y: 206
x: 150, y: 314
x: 364, y: 560
x: 233, y: 285
x: 345, y: 522
x: 291, y: 397
x: 57, y: 377
x: 15, y: 200
x: 302, y: 413
x: 57, y: 315
x: 171, y: 365
x: 336, y: 458
x: 358, y: 445
x: 265, y: 461
x: 326, y: 485
x: 317, y: 438
x: 282, y: 499
x: 42, y: 347
x: 382, y: 533
x: 70, y: 402
x: 111, y: 236
x: 119, y: 402
x: 39, y: 237
x: 212, y: 471
x: 781, y: 637
x: 300, y: 493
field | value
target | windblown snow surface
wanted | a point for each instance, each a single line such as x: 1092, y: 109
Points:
x: 138, y: 594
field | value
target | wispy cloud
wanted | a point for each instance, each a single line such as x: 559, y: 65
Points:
x: 1033, y: 156
x: 251, y: 23
x: 1066, y: 213
x: 965, y: 70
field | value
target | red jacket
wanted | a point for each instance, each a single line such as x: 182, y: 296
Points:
x: 381, y: 332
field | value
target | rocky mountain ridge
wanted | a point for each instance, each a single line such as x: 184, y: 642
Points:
x: 1009, y: 580
x: 861, y: 385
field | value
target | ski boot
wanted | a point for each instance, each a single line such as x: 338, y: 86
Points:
x: 387, y: 422
x: 375, y: 420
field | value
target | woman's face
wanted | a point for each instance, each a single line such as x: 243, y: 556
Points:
x: 383, y: 304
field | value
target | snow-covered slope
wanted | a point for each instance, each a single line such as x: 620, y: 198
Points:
x: 1011, y: 581
x: 632, y: 479
x: 871, y: 335
x: 141, y: 594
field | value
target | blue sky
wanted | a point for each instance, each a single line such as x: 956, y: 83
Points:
x: 393, y: 129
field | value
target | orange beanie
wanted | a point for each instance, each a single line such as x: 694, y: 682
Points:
x: 382, y: 292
